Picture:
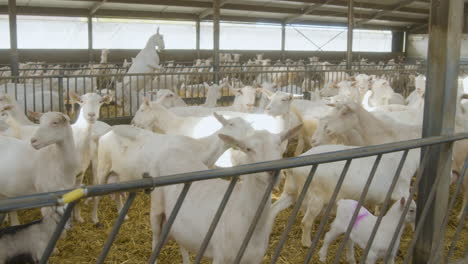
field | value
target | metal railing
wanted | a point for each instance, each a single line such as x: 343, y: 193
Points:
x: 149, y: 183
x: 46, y: 93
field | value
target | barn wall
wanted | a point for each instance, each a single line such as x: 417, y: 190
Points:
x: 417, y: 45
x: 81, y: 56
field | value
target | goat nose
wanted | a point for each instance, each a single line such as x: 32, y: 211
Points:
x: 91, y: 114
x: 33, y: 140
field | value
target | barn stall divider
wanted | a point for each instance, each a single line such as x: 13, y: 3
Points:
x: 148, y: 184
x: 50, y: 90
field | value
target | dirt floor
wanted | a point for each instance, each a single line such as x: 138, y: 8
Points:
x: 133, y: 244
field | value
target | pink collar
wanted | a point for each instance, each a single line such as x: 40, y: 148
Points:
x: 361, y: 215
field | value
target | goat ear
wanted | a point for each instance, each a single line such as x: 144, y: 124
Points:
x: 65, y: 118
x: 402, y: 201
x: 146, y: 101
x: 157, y: 31
x: 34, y: 115
x: 285, y: 135
x: 7, y: 107
x: 464, y: 96
x: 220, y: 118
x: 233, y: 142
x: 106, y: 99
x: 75, y: 98
x: 267, y: 93
x: 331, y: 104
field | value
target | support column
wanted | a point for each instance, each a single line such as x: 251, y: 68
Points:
x: 197, y: 41
x: 465, y: 28
x: 14, y: 64
x: 445, y: 27
x: 283, y: 41
x: 216, y: 15
x: 398, y: 38
x: 349, y: 48
x: 90, y: 39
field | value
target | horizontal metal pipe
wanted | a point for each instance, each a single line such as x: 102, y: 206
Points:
x: 47, y: 199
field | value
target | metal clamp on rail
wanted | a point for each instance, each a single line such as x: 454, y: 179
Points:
x: 149, y: 190
x: 73, y: 195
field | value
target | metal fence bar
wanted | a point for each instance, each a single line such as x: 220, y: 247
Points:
x: 167, y: 226
x: 385, y: 206
x: 358, y: 208
x: 460, y: 225
x: 266, y: 198
x: 293, y: 215
x: 439, y: 239
x: 57, y: 232
x: 116, y: 228
x: 325, y: 215
x: 413, y: 190
x: 425, y: 211
x: 48, y: 199
x: 215, y: 220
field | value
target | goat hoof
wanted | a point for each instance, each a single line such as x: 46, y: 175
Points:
x: 99, y: 225
x: 306, y: 243
x: 79, y: 219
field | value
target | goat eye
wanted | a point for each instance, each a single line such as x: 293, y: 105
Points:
x: 231, y: 124
x: 248, y: 149
x: 55, y: 123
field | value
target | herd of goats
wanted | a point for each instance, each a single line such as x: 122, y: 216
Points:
x: 166, y: 136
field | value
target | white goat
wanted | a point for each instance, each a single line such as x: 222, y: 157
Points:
x: 85, y: 144
x: 17, y: 112
x: 125, y: 152
x: 362, y: 229
x: 169, y: 99
x: 51, y: 167
x: 353, y: 125
x: 327, y: 175
x: 200, y: 205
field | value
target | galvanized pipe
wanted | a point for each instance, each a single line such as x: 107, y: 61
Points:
x: 57, y: 233
x: 14, y: 61
x: 349, y: 46
x: 327, y: 212
x: 116, y: 228
x: 197, y: 40
x: 216, y: 15
x: 439, y: 117
x: 49, y: 199
x: 283, y: 41
x: 90, y: 39
x: 439, y: 240
x: 168, y: 224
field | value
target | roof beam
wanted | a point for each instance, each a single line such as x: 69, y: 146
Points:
x: 307, y: 11
x: 209, y: 11
x: 387, y: 11
x: 96, y: 7
x: 366, y: 5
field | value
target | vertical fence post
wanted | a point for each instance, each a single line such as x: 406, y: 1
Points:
x: 216, y: 6
x: 283, y: 41
x: 445, y: 27
x: 90, y: 38
x: 349, y: 48
x: 197, y: 43
x: 13, y: 38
